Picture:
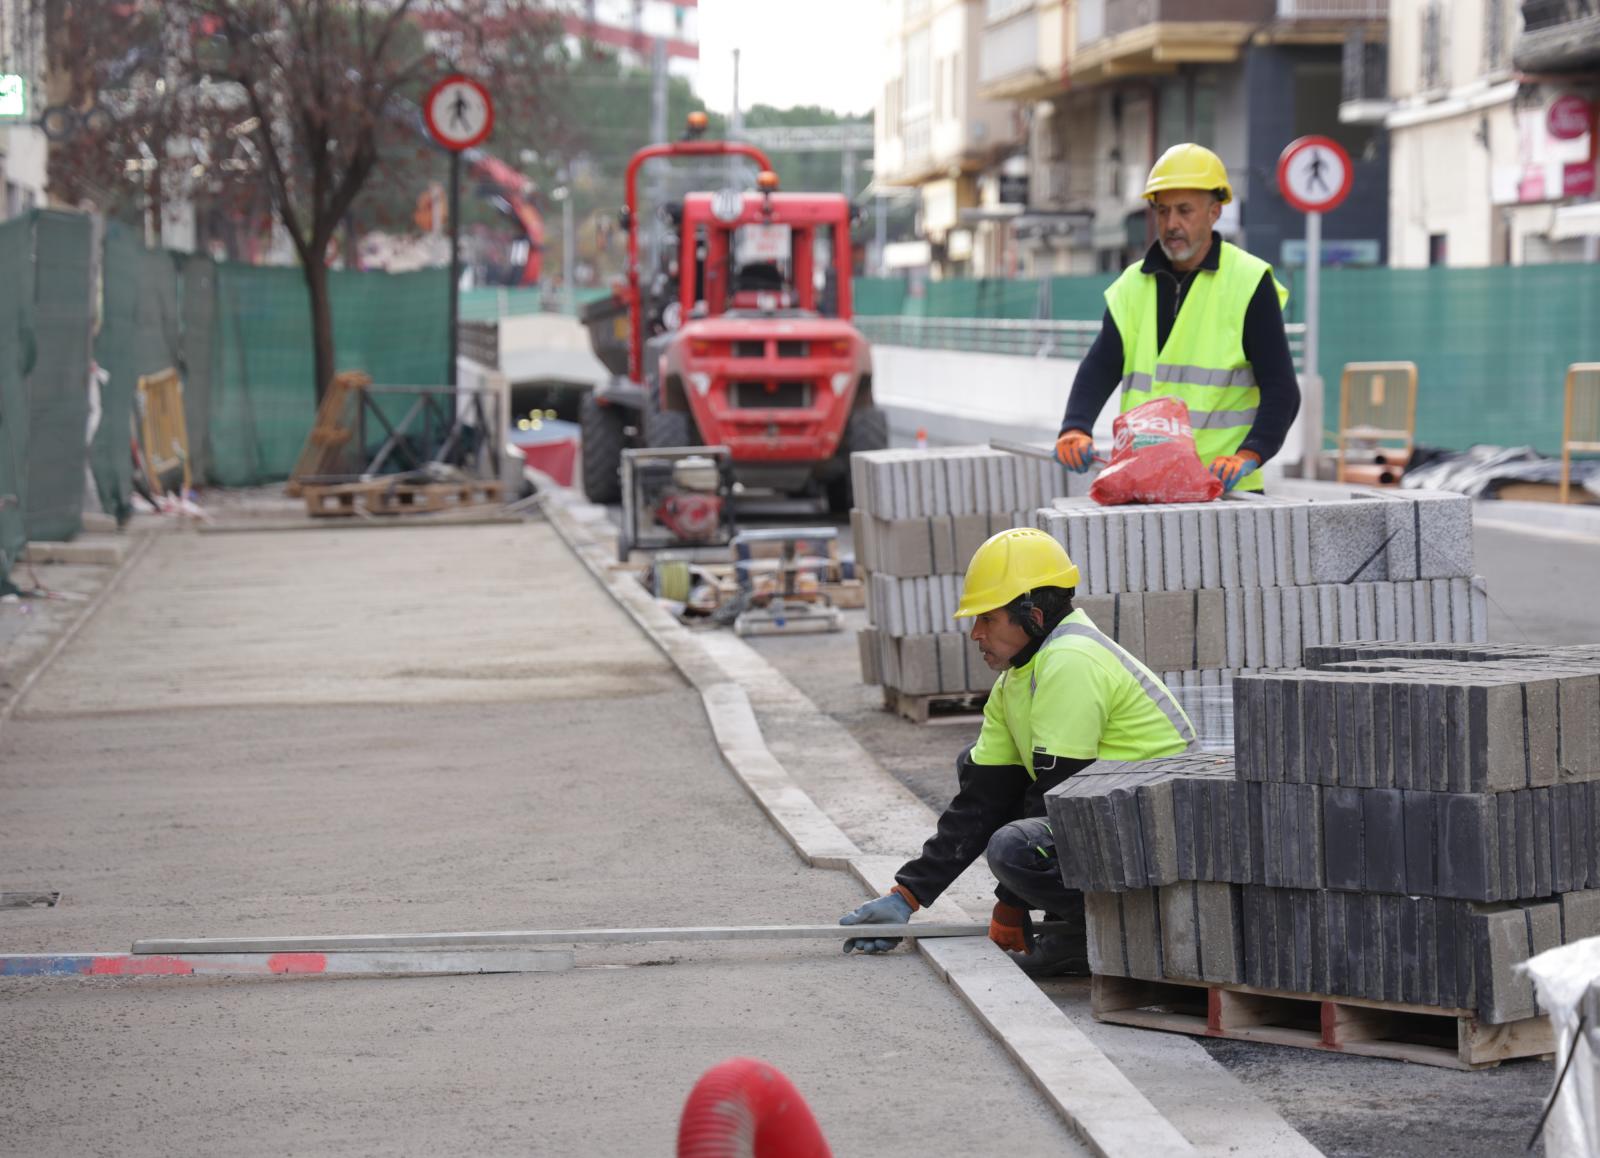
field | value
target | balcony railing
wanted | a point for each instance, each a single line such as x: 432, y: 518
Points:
x: 1559, y: 36
x: 1333, y: 10
x: 1126, y: 15
x: 1364, y: 70
x: 1010, y: 48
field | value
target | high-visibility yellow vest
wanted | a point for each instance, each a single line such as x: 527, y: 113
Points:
x: 1203, y: 362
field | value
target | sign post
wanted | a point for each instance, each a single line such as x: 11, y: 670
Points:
x: 1314, y: 175
x: 459, y: 115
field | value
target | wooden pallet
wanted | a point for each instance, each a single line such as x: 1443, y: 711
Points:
x: 938, y: 708
x: 1453, y: 1038
x: 381, y: 497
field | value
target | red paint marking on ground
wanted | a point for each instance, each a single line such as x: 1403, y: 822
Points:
x: 297, y: 963
x: 139, y: 967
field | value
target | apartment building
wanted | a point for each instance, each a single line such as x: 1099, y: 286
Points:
x: 23, y: 148
x: 1490, y: 112
x: 1104, y: 86
x: 934, y: 131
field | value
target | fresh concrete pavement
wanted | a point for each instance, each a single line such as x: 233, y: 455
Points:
x: 421, y: 730
x: 265, y: 734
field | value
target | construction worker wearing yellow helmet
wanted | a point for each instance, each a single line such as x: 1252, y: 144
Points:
x: 1067, y: 696
x: 1197, y: 319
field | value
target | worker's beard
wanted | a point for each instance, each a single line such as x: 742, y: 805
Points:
x: 1179, y: 250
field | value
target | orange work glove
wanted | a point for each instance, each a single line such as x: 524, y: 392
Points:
x: 1233, y: 467
x: 1008, y: 927
x: 1075, y: 450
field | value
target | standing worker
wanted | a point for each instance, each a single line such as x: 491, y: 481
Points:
x: 1067, y: 696
x: 1200, y: 320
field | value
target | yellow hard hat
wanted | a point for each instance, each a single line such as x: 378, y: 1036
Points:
x: 1010, y: 563
x: 1189, y: 166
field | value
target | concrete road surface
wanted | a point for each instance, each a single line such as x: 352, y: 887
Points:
x: 427, y: 729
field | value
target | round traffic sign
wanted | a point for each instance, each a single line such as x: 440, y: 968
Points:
x: 459, y: 112
x: 1314, y: 174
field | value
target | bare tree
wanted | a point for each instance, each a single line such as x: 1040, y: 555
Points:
x: 301, y: 98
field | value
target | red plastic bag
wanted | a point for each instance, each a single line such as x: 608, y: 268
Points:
x: 1153, y: 459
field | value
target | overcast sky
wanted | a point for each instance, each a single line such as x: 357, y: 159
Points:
x: 792, y: 52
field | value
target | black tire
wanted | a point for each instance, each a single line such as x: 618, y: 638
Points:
x: 867, y: 429
x: 603, y: 438
x: 667, y: 427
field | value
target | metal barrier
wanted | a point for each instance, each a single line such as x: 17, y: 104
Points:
x: 1015, y: 336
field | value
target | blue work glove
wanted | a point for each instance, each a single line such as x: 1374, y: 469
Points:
x: 1233, y: 467
x: 1075, y: 451
x: 893, y: 909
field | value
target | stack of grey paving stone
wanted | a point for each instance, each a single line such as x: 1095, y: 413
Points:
x: 1400, y: 822
x: 919, y: 517
x: 1202, y: 591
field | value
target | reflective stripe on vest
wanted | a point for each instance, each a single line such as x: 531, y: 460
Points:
x: 1158, y: 694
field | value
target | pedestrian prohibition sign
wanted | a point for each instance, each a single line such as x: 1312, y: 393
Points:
x: 459, y: 112
x: 1314, y: 174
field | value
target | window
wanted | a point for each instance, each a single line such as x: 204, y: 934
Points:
x: 1494, y: 35
x: 1438, y: 249
x: 1318, y: 88
x: 1433, y: 73
x: 919, y: 84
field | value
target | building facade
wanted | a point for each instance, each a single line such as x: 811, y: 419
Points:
x: 22, y: 68
x: 934, y: 131
x: 1105, y: 86
x: 1491, y: 120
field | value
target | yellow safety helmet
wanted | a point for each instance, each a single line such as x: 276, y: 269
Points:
x: 1189, y: 166
x: 1010, y: 563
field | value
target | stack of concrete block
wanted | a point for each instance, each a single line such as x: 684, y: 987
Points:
x: 919, y: 516
x: 1402, y: 823
x: 1202, y: 591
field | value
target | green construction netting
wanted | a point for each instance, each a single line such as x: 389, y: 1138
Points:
x: 1491, y: 345
x: 58, y: 382
x: 262, y: 403
x: 141, y: 332
x: 16, y: 355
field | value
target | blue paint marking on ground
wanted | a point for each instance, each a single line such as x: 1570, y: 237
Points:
x: 45, y: 964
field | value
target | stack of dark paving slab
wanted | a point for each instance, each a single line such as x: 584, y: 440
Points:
x: 1399, y: 823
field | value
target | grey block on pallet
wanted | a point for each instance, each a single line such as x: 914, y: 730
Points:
x: 970, y: 532
x: 1098, y: 568
x: 1272, y: 626
x: 1542, y: 853
x: 867, y: 651
x: 952, y: 662
x: 1132, y: 525
x: 1504, y: 939
x: 1158, y: 829
x: 1578, y: 702
x: 1383, y: 827
x: 1580, y: 915
x: 941, y: 532
x: 1344, y: 857
x: 1254, y: 645
x: 1180, y: 939
x: 1266, y: 549
x: 1221, y: 945
x: 1169, y: 630
x: 1210, y: 548
x: 919, y: 665
x: 1173, y: 564
x: 1103, y: 916
x: 1116, y: 556
x: 1155, y: 568
x: 1540, y: 700
x: 1129, y: 624
x: 1347, y: 541
x: 1141, y: 918
x: 1210, y: 629
x: 1245, y: 530
x: 1227, y: 522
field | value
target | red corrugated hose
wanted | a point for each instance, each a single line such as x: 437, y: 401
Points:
x: 743, y: 1108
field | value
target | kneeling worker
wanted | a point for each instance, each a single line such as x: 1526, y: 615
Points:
x: 1067, y: 696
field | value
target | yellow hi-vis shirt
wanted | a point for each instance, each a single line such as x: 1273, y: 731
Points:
x: 1081, y: 697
